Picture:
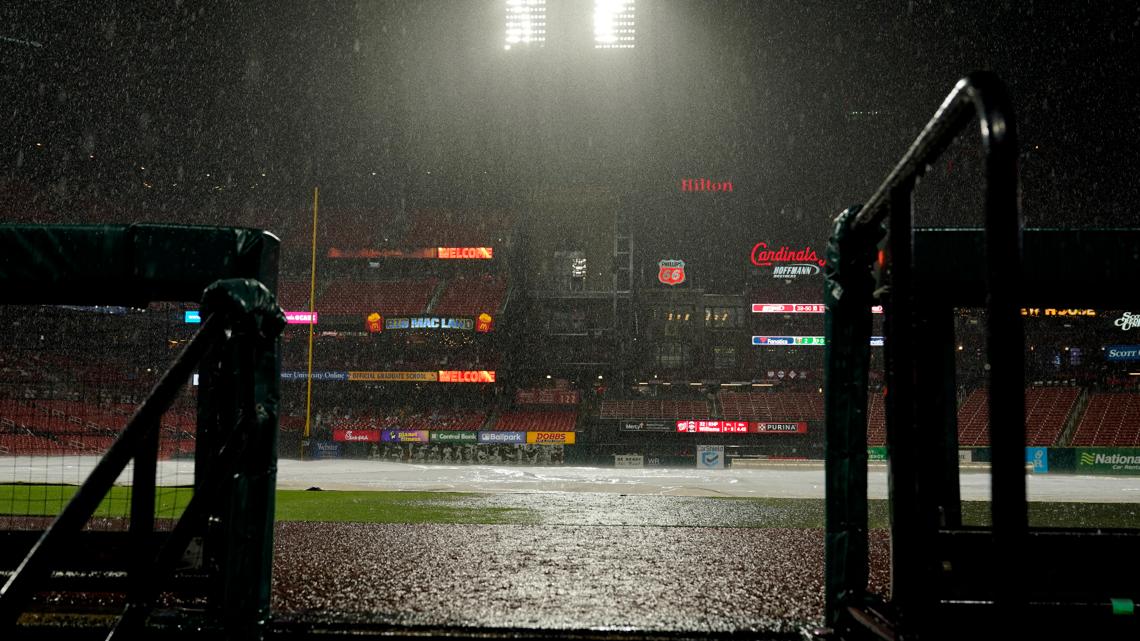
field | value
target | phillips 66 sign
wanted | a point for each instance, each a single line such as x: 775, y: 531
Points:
x: 671, y: 272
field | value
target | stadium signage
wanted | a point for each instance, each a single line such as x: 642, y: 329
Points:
x: 547, y: 397
x: 476, y: 253
x: 404, y: 436
x: 484, y: 323
x: 502, y: 437
x: 317, y: 376
x: 423, y: 252
x: 740, y: 427
x: 374, y: 322
x: 645, y: 426
x: 876, y: 341
x: 429, y: 322
x: 1108, y: 461
x: 710, y: 457
x: 192, y: 316
x: 467, y: 376
x: 324, y: 449
x: 415, y: 377
x: 438, y: 436
x: 629, y: 460
x: 1127, y: 321
x: 798, y: 427
x: 693, y: 427
x: 1122, y: 353
x: 787, y: 263
x: 671, y: 272
x: 796, y: 308
x: 1051, y: 311
x: 790, y: 374
x: 301, y: 318
x: 550, y: 438
x: 357, y: 436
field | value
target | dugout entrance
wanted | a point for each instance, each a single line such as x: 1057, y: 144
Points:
x: 950, y: 580
x: 211, y: 564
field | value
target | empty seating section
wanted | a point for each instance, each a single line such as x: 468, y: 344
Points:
x: 876, y: 419
x: 1046, y: 411
x: 772, y: 406
x: 293, y: 295
x: 1112, y: 419
x: 655, y: 409
x: 58, y: 427
x: 389, y: 298
x: 472, y: 296
x: 974, y: 420
x: 460, y: 419
x: 456, y: 228
x: 530, y: 420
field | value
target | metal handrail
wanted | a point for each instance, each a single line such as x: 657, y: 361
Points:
x: 850, y: 258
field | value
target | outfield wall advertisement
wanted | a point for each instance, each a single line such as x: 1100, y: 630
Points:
x: 459, y: 437
x: 1108, y: 460
x: 550, y: 438
x: 741, y: 427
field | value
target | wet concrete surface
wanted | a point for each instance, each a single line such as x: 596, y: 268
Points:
x: 653, y: 578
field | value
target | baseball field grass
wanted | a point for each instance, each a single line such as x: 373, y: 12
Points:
x: 551, y: 508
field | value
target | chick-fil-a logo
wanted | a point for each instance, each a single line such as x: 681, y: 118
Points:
x: 796, y: 262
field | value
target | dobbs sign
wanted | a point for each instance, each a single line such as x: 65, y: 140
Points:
x: 550, y: 438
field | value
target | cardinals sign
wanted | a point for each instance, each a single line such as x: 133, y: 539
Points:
x: 671, y: 272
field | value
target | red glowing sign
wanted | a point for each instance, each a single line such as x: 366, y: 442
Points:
x: 741, y: 427
x: 671, y: 272
x: 712, y: 426
x: 764, y: 257
x: 797, y: 308
x: 480, y: 253
x: 357, y: 436
x: 467, y: 376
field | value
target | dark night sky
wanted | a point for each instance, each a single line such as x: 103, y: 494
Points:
x: 761, y: 93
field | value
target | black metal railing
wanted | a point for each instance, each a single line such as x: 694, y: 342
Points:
x: 919, y: 401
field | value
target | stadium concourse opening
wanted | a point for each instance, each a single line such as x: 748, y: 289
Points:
x: 571, y: 342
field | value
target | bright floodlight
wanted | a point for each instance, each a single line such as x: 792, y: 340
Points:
x: 526, y: 23
x: 613, y: 24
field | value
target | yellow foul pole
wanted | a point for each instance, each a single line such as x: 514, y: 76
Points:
x: 312, y: 310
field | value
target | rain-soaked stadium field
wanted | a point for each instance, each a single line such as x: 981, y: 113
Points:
x: 573, y: 548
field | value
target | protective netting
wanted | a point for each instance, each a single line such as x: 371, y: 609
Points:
x: 70, y: 380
